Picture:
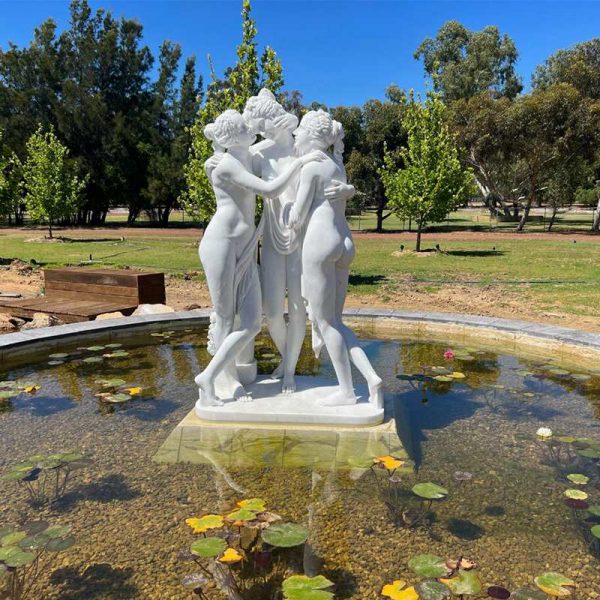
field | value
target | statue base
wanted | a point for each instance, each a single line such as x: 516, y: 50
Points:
x: 269, y: 405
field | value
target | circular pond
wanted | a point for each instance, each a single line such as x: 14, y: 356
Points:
x: 91, y: 443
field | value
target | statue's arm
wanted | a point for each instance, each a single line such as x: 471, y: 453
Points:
x: 304, y: 198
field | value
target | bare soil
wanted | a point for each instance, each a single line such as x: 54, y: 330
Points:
x: 189, y: 292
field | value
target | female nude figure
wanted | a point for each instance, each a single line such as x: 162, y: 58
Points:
x: 227, y: 250
x: 281, y: 253
x: 327, y: 252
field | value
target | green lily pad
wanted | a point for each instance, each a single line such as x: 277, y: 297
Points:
x: 13, y: 538
x: 576, y: 494
x: 57, y: 531
x: 430, y: 491
x: 443, y: 378
x: 594, y: 510
x: 6, y: 394
x: 567, y: 439
x: 555, y: 584
x: 58, y: 355
x: 117, y: 354
x: 255, y: 504
x: 15, y: 475
x: 114, y: 345
x: 55, y: 363
x: 432, y: 590
x: 528, y: 594
x: 107, y: 383
x: 559, y: 372
x: 20, y: 559
x: 428, y: 565
x: 581, y: 377
x: 590, y: 453
x: 242, y: 514
x: 595, y: 530
x: 301, y: 587
x: 465, y: 582
x: 285, y: 535
x: 95, y: 348
x: 208, y: 547
x: 61, y: 544
x: 93, y: 359
x: 578, y: 478
x: 117, y: 398
x: 360, y: 462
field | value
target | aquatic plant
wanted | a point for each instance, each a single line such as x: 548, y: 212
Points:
x: 236, y: 551
x: 23, y: 551
x: 301, y: 587
x: 116, y: 391
x: 45, y: 477
x: 11, y: 389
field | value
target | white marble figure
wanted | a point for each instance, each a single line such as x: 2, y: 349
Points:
x: 327, y: 251
x: 228, y: 251
x: 281, y: 267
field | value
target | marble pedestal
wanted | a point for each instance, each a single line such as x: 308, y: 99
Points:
x: 269, y: 405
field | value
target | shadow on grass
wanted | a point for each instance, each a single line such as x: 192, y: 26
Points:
x: 475, y: 253
x: 366, y: 279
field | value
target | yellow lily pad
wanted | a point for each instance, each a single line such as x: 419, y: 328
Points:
x: 388, y: 462
x: 397, y: 591
x: 205, y: 523
x: 231, y: 555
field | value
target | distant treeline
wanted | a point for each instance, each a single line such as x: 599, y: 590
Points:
x: 134, y: 139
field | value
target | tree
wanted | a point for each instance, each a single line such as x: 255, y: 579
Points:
x: 578, y: 66
x: 464, y: 63
x: 52, y: 189
x: 433, y: 182
x: 11, y: 201
x: 369, y: 130
x: 240, y: 82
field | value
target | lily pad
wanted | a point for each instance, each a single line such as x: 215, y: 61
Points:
x: 117, y: 354
x: 285, y: 535
x: 590, y: 453
x: 576, y: 494
x: 457, y: 375
x: 430, y: 491
x: 58, y: 355
x: 498, y: 592
x: 397, y: 591
x: 555, y: 584
x: 107, y: 383
x: 6, y: 394
x: 205, y: 523
x: 594, y: 510
x: 20, y: 559
x: 595, y: 530
x: 55, y: 363
x: 443, y: 378
x: 301, y: 587
x: 578, y: 478
x: 432, y: 590
x: 194, y: 581
x: 93, y: 359
x: 428, y: 565
x: 465, y: 582
x: 242, y: 514
x: 114, y: 345
x: 13, y: 538
x: 95, y: 348
x: 208, y: 547
x: 117, y: 398
x: 61, y: 544
x: 256, y: 504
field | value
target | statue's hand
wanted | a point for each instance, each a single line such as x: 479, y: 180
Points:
x: 285, y: 121
x: 314, y: 156
x: 339, y: 191
x: 213, y: 162
x: 292, y: 218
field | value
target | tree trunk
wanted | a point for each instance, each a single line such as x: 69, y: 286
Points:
x: 379, y: 226
x: 50, y: 229
x: 552, y: 218
x: 419, y: 230
x: 525, y: 214
x: 596, y: 223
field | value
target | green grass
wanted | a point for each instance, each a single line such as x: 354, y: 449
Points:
x: 545, y: 273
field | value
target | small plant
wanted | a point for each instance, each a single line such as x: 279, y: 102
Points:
x: 45, y: 477
x: 244, y: 547
x: 23, y: 553
x: 116, y: 391
x: 301, y: 587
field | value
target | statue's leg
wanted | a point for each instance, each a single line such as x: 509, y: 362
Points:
x: 249, y: 326
x: 321, y: 293
x: 297, y: 319
x: 272, y: 278
x: 357, y: 354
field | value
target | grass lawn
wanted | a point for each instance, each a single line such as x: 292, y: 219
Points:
x: 547, y: 274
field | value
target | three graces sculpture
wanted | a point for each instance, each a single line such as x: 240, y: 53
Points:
x: 306, y: 250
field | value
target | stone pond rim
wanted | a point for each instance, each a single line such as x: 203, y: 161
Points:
x: 461, y: 329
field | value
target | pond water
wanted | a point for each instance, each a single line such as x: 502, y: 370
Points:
x: 475, y: 413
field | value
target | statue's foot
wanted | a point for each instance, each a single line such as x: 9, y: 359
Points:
x: 376, y: 392
x: 339, y: 398
x: 289, y: 385
x: 208, y: 396
x: 278, y: 372
x: 241, y: 395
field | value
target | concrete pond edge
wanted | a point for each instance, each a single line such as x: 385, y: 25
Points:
x: 559, y: 342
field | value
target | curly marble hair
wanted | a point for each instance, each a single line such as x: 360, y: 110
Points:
x: 225, y: 131
x: 266, y: 108
x: 321, y: 126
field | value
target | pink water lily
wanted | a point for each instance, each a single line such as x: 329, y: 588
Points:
x: 448, y: 355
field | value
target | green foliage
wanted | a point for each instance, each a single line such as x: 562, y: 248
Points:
x: 241, y: 82
x: 52, y: 189
x: 464, y: 63
x: 579, y: 66
x: 433, y: 182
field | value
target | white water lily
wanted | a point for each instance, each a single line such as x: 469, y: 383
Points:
x: 544, y: 432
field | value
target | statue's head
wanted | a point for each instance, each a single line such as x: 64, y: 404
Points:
x: 264, y: 115
x: 319, y: 131
x: 228, y: 130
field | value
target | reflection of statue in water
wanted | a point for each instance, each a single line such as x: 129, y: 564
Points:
x: 327, y: 252
x: 228, y: 248
x: 281, y: 266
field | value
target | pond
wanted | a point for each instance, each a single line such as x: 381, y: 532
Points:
x: 516, y: 503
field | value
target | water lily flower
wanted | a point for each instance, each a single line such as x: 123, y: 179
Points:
x: 448, y: 355
x: 544, y: 433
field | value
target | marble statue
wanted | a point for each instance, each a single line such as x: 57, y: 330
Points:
x: 228, y: 251
x: 306, y: 253
x: 281, y: 266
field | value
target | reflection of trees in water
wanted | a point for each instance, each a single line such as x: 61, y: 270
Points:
x: 590, y: 389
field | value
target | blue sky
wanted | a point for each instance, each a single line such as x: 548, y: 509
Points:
x: 336, y: 52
